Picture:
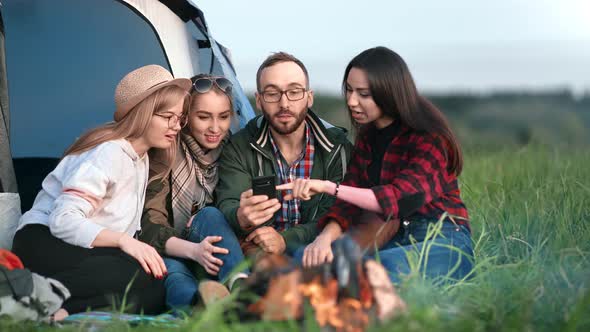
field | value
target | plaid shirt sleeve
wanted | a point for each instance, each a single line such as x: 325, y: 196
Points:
x: 425, y: 173
x: 342, y: 212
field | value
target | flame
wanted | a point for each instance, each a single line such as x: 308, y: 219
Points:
x: 344, y: 315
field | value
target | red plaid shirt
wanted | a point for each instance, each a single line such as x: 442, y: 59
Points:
x: 290, y: 213
x: 414, y: 162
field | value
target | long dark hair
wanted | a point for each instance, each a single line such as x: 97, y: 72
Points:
x: 394, y: 91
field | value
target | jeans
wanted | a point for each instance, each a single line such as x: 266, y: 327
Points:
x: 448, y: 254
x: 181, y: 284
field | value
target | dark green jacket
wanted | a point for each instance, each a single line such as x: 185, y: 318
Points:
x: 249, y: 154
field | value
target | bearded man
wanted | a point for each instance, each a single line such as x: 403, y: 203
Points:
x: 288, y: 141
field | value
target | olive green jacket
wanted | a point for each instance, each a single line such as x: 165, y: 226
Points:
x: 249, y: 154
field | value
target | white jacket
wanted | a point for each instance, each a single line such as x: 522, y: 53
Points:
x: 86, y: 193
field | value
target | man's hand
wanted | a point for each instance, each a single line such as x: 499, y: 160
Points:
x: 268, y: 239
x: 255, y: 210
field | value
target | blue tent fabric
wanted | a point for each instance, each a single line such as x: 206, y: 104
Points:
x: 64, y: 60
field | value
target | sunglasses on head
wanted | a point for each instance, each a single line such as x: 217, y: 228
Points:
x: 204, y: 84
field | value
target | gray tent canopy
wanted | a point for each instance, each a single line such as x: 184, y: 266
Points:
x: 63, y: 61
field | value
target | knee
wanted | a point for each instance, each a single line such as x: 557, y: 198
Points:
x: 209, y: 215
x: 210, y: 218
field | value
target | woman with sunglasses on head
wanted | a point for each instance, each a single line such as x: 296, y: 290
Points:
x: 81, y: 229
x: 404, y: 169
x: 176, y: 212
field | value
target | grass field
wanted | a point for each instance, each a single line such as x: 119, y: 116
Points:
x: 530, y: 209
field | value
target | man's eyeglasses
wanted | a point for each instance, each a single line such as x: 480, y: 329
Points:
x: 204, y: 84
x: 274, y: 96
x: 173, y: 119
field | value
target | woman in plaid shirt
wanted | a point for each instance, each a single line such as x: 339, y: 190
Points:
x: 404, y: 169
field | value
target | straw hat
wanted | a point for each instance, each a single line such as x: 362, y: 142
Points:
x: 140, y: 83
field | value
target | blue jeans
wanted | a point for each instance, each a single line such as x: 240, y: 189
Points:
x: 449, y: 254
x: 181, y: 284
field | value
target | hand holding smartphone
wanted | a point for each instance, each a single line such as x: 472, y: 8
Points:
x: 254, y: 212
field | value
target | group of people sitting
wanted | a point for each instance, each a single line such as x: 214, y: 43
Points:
x: 150, y: 205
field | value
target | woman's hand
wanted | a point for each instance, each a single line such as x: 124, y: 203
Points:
x: 318, y: 252
x: 145, y: 254
x: 204, y: 251
x: 304, y: 189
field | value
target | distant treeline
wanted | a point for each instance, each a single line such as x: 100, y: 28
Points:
x: 554, y: 117
x: 496, y: 119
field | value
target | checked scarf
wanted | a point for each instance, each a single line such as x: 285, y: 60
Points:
x: 194, y: 178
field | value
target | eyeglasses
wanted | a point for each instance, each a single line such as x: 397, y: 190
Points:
x: 204, y: 84
x: 174, y: 119
x: 274, y: 96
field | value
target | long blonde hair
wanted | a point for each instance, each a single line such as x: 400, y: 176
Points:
x: 134, y: 125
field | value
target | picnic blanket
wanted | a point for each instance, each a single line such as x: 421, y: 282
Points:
x: 103, y: 317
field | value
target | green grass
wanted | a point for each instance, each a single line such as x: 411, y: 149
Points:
x: 530, y: 211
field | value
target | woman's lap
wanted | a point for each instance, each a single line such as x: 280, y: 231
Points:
x: 95, y: 274
x: 447, y: 254
x: 181, y: 283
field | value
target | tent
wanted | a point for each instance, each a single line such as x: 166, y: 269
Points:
x: 60, y: 61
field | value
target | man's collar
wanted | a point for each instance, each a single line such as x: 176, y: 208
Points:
x: 308, y: 140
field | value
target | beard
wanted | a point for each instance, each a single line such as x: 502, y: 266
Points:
x: 282, y: 128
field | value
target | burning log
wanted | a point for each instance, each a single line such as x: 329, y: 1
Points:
x: 345, y: 295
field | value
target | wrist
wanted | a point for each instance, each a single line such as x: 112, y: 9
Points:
x: 325, y: 237
x: 193, y: 250
x: 122, y: 239
x: 331, y: 188
x: 335, y: 189
x: 283, y: 243
x: 240, y: 219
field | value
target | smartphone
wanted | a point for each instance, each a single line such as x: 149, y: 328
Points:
x: 264, y: 185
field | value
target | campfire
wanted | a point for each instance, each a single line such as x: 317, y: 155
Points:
x: 345, y: 295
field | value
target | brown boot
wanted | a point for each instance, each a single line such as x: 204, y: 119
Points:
x: 212, y: 291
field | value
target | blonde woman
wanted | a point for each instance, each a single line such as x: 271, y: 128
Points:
x: 81, y: 229
x: 188, y: 190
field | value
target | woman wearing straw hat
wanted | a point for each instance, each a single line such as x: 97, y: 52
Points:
x: 80, y: 230
x: 170, y: 206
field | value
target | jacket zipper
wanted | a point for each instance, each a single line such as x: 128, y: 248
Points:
x: 260, y: 151
x: 315, y: 211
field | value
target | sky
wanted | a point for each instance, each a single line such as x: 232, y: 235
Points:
x: 450, y: 46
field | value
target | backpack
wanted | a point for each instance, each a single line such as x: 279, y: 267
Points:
x: 25, y: 295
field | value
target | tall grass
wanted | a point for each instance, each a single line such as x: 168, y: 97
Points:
x: 530, y: 209
x: 530, y: 215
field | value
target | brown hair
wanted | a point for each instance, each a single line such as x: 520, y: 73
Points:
x: 279, y: 57
x: 134, y: 125
x: 394, y: 91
